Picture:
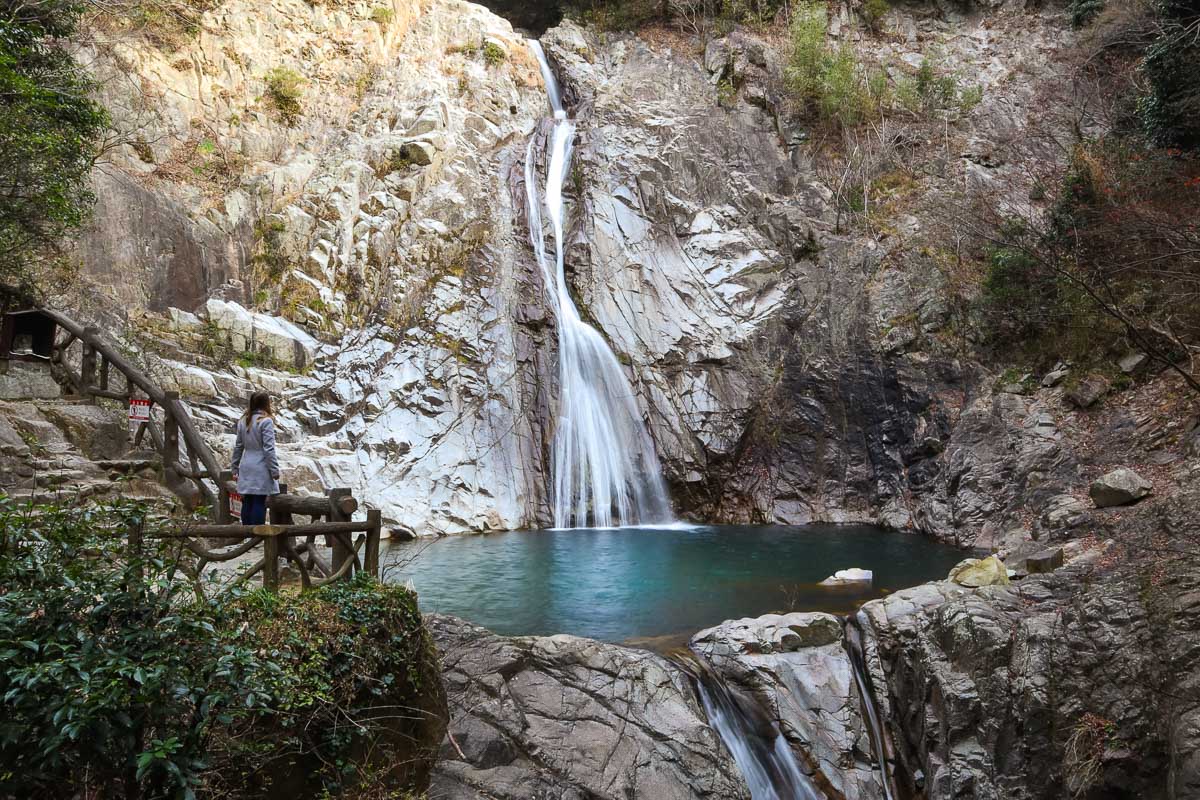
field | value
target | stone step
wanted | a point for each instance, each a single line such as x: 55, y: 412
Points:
x: 43, y: 496
x: 63, y: 477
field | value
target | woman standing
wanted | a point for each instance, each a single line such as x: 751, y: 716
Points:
x: 255, y: 466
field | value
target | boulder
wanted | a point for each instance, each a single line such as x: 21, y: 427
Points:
x: 797, y: 668
x: 98, y: 432
x: 259, y: 333
x: 976, y: 572
x: 180, y: 320
x: 419, y: 152
x: 1132, y: 362
x: 1088, y: 391
x: 188, y: 380
x: 27, y: 380
x: 849, y: 577
x: 1062, y: 512
x: 1119, y: 488
x: 1055, y: 376
x: 770, y: 633
x: 1045, y: 561
x: 561, y: 716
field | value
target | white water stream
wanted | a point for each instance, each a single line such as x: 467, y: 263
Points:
x: 605, y: 471
x: 761, y: 752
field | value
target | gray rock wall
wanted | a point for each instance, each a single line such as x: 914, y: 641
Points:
x: 1076, y: 683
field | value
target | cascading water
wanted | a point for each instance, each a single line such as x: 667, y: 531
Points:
x: 761, y: 752
x: 604, y: 466
x: 870, y: 706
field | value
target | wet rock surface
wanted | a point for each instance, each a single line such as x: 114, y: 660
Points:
x: 797, y: 667
x: 564, y: 717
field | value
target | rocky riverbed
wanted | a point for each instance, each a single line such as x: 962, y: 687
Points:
x: 1080, y: 681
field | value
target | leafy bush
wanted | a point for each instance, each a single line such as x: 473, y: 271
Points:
x: 873, y: 12
x: 1084, y: 11
x: 1170, y: 110
x: 1020, y: 295
x: 1109, y: 266
x: 117, y: 682
x: 493, y: 54
x: 832, y: 84
x: 382, y: 15
x: 50, y: 132
x: 285, y: 87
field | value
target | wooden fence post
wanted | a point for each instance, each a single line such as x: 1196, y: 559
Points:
x: 371, y: 560
x: 270, y: 562
x: 170, y: 452
x: 88, y: 363
x: 223, y: 515
x: 278, y: 517
x: 336, y: 514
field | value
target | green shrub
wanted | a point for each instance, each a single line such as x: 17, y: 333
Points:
x: 833, y: 85
x: 844, y: 95
x: 808, y: 51
x: 382, y: 15
x: 827, y: 81
x: 873, y: 12
x: 270, y: 262
x: 1084, y: 11
x: 112, y: 679
x: 285, y: 87
x: 117, y: 682
x: 1170, y: 109
x: 493, y: 54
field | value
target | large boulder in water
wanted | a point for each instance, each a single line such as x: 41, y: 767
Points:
x: 561, y: 716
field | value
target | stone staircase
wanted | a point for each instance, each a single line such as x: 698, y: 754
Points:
x: 64, y: 451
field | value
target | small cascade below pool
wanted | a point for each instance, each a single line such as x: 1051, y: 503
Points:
x: 870, y: 705
x: 759, y: 749
x: 605, y: 471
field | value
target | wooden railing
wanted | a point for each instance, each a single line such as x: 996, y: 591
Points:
x: 201, y: 471
x: 283, y: 537
x: 329, y: 516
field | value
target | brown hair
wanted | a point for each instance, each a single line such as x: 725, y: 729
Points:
x: 260, y: 402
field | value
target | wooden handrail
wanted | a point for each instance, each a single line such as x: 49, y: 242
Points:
x: 156, y: 395
x: 263, y: 531
x: 172, y: 406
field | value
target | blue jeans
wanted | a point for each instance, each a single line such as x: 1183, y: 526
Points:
x: 254, y: 509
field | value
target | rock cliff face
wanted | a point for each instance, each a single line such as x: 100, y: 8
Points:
x: 792, y: 369
x: 347, y: 168
x: 1078, y: 683
x: 356, y: 171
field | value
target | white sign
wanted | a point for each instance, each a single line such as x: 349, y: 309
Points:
x: 235, y: 505
x: 139, y: 413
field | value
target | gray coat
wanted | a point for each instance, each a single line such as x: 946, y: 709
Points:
x: 254, y: 458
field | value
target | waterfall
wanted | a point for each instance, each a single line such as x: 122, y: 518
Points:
x: 870, y: 706
x: 760, y: 751
x: 604, y: 468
